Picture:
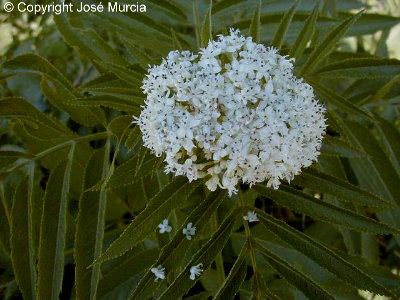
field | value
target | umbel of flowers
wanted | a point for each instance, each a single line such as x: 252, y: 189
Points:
x: 233, y: 112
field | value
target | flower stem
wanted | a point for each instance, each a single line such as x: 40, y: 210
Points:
x: 219, y: 262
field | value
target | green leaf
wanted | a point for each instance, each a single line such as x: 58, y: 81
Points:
x: 115, y: 90
x: 170, y: 7
x: 296, y: 278
x: 316, y: 208
x: 134, y: 137
x: 173, y: 254
x: 32, y: 63
x: 206, y: 28
x: 339, y: 147
x: 107, y: 101
x: 370, y: 23
x: 60, y: 97
x: 256, y: 24
x: 383, y: 91
x: 159, y: 207
x: 360, y: 68
x: 235, y: 277
x: 22, y: 239
x: 390, y: 138
x: 53, y: 230
x: 137, y: 167
x: 338, y: 101
x: 205, y: 255
x: 19, y: 108
x: 176, y: 43
x: 343, y: 190
x: 138, y: 54
x: 376, y: 173
x: 131, y: 267
x: 327, y: 45
x: 88, y: 42
x: 131, y: 77
x: 5, y: 220
x: 284, y: 26
x: 321, y: 254
x: 90, y: 225
x: 305, y: 35
x: 120, y: 125
x: 223, y: 4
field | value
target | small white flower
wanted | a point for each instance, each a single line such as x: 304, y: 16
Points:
x: 189, y: 231
x: 196, y: 271
x: 251, y: 216
x: 159, y: 272
x: 164, y: 226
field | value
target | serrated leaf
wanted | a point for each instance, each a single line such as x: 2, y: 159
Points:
x: 235, y: 277
x: 321, y: 255
x: 137, y: 167
x: 138, y: 54
x: 327, y: 45
x: 133, y: 138
x: 170, y: 7
x: 360, y: 68
x: 173, y: 254
x: 146, y: 222
x: 296, y: 278
x: 176, y: 43
x: 5, y: 220
x: 53, y: 230
x: 22, y: 240
x: 221, y: 5
x: 120, y: 125
x: 390, y: 138
x: 32, y: 63
x: 107, y: 101
x: 117, y: 90
x: 205, y: 255
x: 339, y: 147
x: 376, y: 173
x: 88, y: 42
x: 90, y: 225
x: 316, y: 208
x: 338, y: 101
x: 131, y: 77
x: 383, y: 91
x: 129, y: 268
x: 305, y: 35
x: 19, y: 108
x: 206, y: 28
x: 256, y: 24
x: 60, y: 97
x: 343, y: 190
x: 284, y: 26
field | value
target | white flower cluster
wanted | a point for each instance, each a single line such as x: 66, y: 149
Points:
x: 233, y: 112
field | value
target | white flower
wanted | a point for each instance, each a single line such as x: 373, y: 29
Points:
x: 189, y: 231
x: 233, y: 112
x: 251, y: 216
x: 196, y: 271
x: 164, y: 226
x: 159, y: 272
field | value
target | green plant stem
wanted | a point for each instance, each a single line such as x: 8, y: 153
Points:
x: 219, y: 262
x: 247, y: 232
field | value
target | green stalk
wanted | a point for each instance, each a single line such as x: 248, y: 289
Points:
x: 219, y: 262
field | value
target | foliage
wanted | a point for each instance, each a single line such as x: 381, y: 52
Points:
x: 81, y: 198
